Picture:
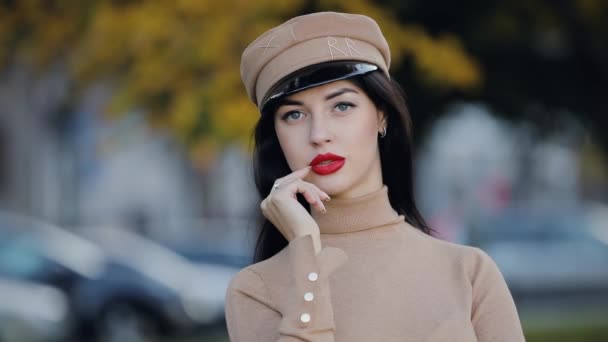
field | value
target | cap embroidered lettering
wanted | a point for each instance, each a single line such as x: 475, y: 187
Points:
x: 268, y: 46
x: 331, y: 43
x: 351, y: 47
x: 307, y: 40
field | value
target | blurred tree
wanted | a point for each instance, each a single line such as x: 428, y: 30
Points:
x: 179, y: 60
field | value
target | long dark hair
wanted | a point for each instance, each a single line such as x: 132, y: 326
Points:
x: 396, y: 158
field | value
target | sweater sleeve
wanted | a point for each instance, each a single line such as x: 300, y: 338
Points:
x: 494, y: 314
x: 306, y: 313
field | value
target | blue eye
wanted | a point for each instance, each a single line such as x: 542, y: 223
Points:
x: 292, y: 115
x: 343, y: 106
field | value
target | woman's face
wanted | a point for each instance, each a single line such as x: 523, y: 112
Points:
x: 337, y: 118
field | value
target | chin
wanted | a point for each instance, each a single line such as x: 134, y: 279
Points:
x: 331, y: 185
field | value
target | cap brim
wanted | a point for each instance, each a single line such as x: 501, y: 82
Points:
x: 315, y: 75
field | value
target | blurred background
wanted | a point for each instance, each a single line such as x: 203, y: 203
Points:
x: 126, y: 193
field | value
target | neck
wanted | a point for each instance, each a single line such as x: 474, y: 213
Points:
x: 345, y: 215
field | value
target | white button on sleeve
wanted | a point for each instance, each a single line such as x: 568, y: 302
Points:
x: 308, y: 296
x: 305, y: 318
x: 313, y: 276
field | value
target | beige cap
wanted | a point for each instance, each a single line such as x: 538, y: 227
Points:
x: 307, y: 40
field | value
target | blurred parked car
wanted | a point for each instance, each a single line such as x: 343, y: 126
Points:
x: 36, y: 251
x: 119, y: 286
x: 32, y: 312
x: 149, y: 289
x: 37, y: 255
x: 546, y: 254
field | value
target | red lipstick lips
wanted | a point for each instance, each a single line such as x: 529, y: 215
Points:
x: 328, y: 163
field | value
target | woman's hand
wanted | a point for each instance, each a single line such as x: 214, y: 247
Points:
x: 282, y: 208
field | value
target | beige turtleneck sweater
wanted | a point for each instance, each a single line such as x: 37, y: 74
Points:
x: 377, y: 279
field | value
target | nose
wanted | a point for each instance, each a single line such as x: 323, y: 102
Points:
x: 320, y: 131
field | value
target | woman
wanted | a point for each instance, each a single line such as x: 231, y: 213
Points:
x: 343, y: 254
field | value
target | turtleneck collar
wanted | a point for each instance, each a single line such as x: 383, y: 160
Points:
x: 355, y: 214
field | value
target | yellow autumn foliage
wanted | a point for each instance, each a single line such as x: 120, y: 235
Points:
x: 179, y: 60
x: 442, y: 62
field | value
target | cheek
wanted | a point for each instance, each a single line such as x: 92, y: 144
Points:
x: 293, y: 148
x: 363, y: 139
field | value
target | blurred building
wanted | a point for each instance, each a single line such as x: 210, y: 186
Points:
x: 473, y: 164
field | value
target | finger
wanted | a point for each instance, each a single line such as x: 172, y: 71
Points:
x: 310, y: 194
x: 298, y: 174
x: 318, y: 197
x: 322, y: 194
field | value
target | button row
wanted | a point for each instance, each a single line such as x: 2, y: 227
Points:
x: 309, y: 296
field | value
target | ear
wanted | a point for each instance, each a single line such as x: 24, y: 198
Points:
x: 381, y: 121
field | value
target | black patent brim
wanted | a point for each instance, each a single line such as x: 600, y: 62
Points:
x: 315, y: 75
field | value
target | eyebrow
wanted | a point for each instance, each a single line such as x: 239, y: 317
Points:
x: 289, y: 102
x: 340, y: 92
